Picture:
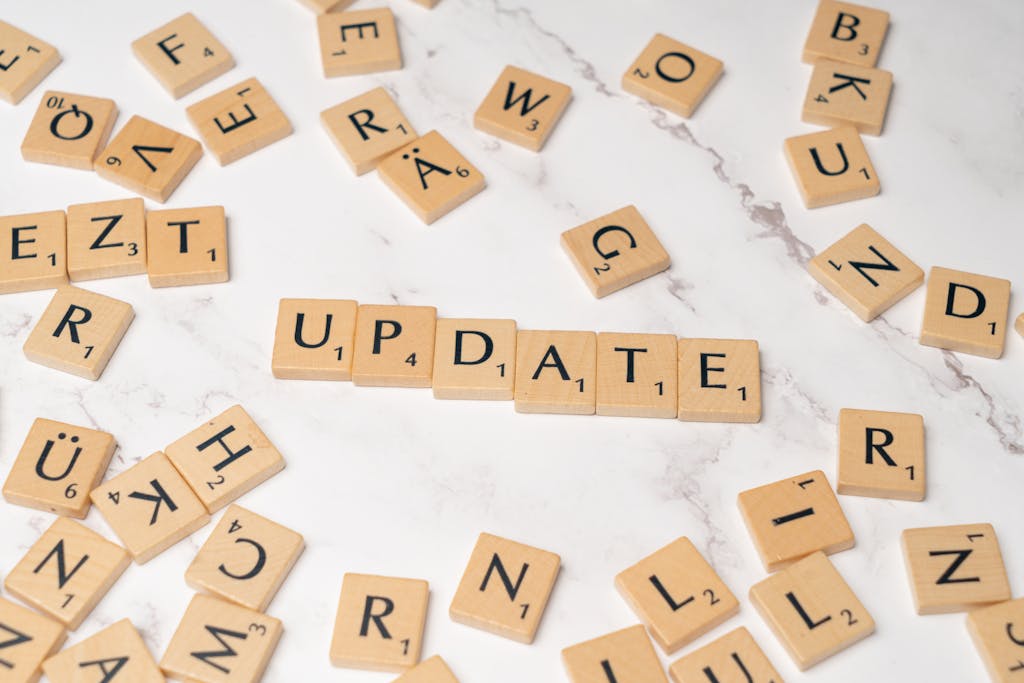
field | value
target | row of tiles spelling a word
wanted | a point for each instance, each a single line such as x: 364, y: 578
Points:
x: 580, y: 373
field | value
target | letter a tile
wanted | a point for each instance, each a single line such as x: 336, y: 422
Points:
x: 998, y: 633
x: 505, y: 588
x: 845, y: 32
x: 556, y: 372
x: 625, y: 655
x: 238, y: 121
x: 831, y: 167
x: 148, y: 159
x: 672, y: 75
x: 966, y: 312
x: 523, y: 108
x: 115, y: 654
x: 734, y: 658
x: 33, y: 254
x: 183, y: 55
x: 26, y: 61
x: 69, y: 130
x: 314, y: 339
x: 27, y: 638
x: 433, y: 670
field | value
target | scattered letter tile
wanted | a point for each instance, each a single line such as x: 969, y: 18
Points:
x: 523, y: 108
x: 475, y: 359
x: 733, y: 658
x: 69, y: 130
x: 845, y: 32
x: 556, y: 372
x: 672, y: 75
x: 28, y: 639
x: 433, y: 670
x: 881, y: 454
x: 394, y: 346
x: 33, y: 254
x: 358, y: 42
x: 625, y: 655
x: 115, y: 654
x: 148, y: 159
x: 637, y: 375
x: 239, y: 121
x: 996, y: 632
x: 26, y: 61
x: 106, y: 239
x: 367, y: 128
x: 314, y: 339
x: 183, y: 55
x: 831, y: 167
x: 966, y: 312
x: 187, y: 246
x: 847, y: 95
x: 719, y: 380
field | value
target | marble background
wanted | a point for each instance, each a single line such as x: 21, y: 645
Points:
x: 391, y: 481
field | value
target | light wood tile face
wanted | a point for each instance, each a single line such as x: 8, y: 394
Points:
x: 57, y: 466
x: 637, y: 375
x: 78, y: 332
x: 1019, y: 325
x: 314, y: 339
x: 379, y: 624
x: 966, y: 312
x: 246, y: 559
x: 106, y: 239
x: 677, y: 594
x: 324, y: 6
x: 624, y: 655
x: 719, y: 380
x: 615, y: 251
x: 556, y: 372
x: 28, y: 638
x: 394, y: 346
x: 734, y: 658
x: 998, y: 633
x: 812, y: 610
x: 505, y: 588
x: 367, y: 128
x: 238, y: 121
x: 848, y: 95
x: 183, y: 55
x: 672, y: 75
x: 69, y: 130
x: 475, y: 359
x: 117, y: 654
x: 150, y: 507
x: 866, y: 272
x: 523, y: 108
x: 881, y: 454
x: 358, y: 42
x: 67, y: 572
x: 26, y: 61
x: 433, y: 670
x: 187, y: 246
x: 217, y: 642
x: 431, y: 176
x: 33, y: 254
x: 148, y: 159
x: 792, y: 518
x: 831, y: 167
x: 845, y: 32
x: 225, y: 458
x: 954, y: 568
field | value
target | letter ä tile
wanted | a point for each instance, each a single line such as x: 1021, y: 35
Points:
x: 998, y: 633
x: 187, y: 246
x: 625, y: 655
x: 433, y: 670
x: 116, y: 653
x: 844, y: 32
x: 69, y: 130
x: 966, y: 312
x: 523, y: 108
x: 672, y: 75
x: 314, y: 339
x: 358, y: 42
x: 32, y: 252
x: 394, y: 346
x: 238, y: 121
x: 27, y: 61
x: 28, y: 639
x: 556, y: 372
x: 729, y: 658
x: 106, y: 239
x: 367, y: 128
x: 831, y: 167
x: 148, y: 159
x: 183, y: 55
x: 475, y: 359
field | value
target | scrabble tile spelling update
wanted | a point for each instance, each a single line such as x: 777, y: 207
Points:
x: 106, y: 239
x: 58, y: 466
x: 26, y: 61
x: 845, y: 94
x: 881, y: 454
x: 831, y: 167
x: 637, y: 375
x: 314, y: 339
x: 556, y: 372
x: 615, y: 251
x: 719, y: 380
x: 433, y: 670
x: 475, y: 359
x: 148, y: 159
x: 672, y: 75
x: 845, y: 32
x: 394, y: 346
x: 966, y: 312
x: 998, y: 633
x: 358, y: 42
x: 624, y: 655
x: 367, y: 128
x: 183, y: 55
x: 735, y: 656
x: 33, y: 254
x: 187, y: 246
x: 69, y: 130
x: 28, y: 639
x: 117, y: 653
x: 522, y: 107
x: 238, y: 121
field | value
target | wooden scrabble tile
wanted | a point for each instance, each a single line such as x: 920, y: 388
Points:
x: 1019, y: 325
x: 246, y: 559
x: 220, y: 642
x: 954, y: 568
x: 106, y: 239
x: 792, y: 518
x: 615, y: 251
x: 26, y: 639
x: 367, y: 128
x: 866, y: 272
x: 966, y: 312
x: 733, y: 658
x: 67, y: 572
x: 148, y: 159
x: 625, y: 655
x: 831, y: 167
x: 33, y: 253
x: 324, y: 6
x: 78, y: 332
x: 314, y: 339
x: 429, y: 4
x: 57, y: 467
x: 637, y: 375
x: 379, y: 624
x: 358, y: 42
x: 845, y: 32
x: 847, y: 95
x: 505, y: 588
x: 238, y: 121
x: 522, y: 107
x: 187, y: 246
x: 556, y: 372
x: 881, y: 454
x: 430, y: 176
x: 996, y: 632
x: 719, y: 380
x: 812, y: 610
x: 394, y: 346
x: 677, y: 594
x: 117, y: 653
x: 225, y: 458
x: 672, y: 75
x: 475, y: 359
x: 150, y: 507
x: 69, y: 130
x: 24, y: 62
x: 433, y: 670
x: 183, y: 55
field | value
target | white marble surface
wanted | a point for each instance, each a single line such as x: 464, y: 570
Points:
x: 391, y: 481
